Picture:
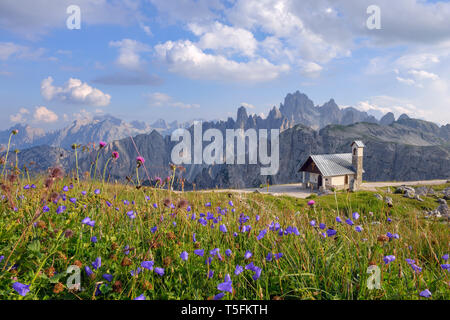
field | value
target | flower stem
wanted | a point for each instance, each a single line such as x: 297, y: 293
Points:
x: 7, y: 151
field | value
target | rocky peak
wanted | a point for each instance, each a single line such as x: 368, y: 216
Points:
x: 387, y: 119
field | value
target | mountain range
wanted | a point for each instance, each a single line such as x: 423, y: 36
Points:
x: 402, y: 149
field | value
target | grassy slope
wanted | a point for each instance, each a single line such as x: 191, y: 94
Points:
x: 312, y: 267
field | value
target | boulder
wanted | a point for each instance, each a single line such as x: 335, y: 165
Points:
x: 410, y: 194
x: 389, y: 201
x: 446, y: 193
x: 443, y: 207
x: 424, y: 191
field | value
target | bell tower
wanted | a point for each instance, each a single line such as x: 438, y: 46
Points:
x: 357, y: 162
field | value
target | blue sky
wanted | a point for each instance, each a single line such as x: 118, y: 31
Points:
x: 185, y: 59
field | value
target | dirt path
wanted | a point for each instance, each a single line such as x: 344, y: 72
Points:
x: 371, y: 186
x: 295, y: 190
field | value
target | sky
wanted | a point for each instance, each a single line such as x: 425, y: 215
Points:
x: 189, y: 59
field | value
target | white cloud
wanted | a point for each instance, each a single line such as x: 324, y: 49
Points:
x: 158, y: 99
x: 226, y: 39
x: 33, y: 19
x: 185, y: 58
x: 74, y: 91
x: 409, y: 82
x: 417, y: 61
x: 423, y: 75
x: 42, y: 114
x: 247, y: 105
x: 310, y: 69
x: 19, y: 117
x: 129, y: 53
x: 10, y: 49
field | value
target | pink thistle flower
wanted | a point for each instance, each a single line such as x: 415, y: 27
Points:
x: 115, y: 155
x: 102, y: 144
x: 311, y: 202
x: 140, y: 160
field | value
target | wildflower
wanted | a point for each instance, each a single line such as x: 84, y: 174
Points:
x: 102, y: 144
x: 338, y: 219
x: 21, y: 288
x: 311, y: 202
x: 83, y: 193
x: 26, y: 187
x: 223, y: 228
x: 331, y: 232
x: 225, y: 286
x: 115, y: 155
x: 131, y: 215
x: 445, y: 257
x: 238, y: 270
x: 140, y: 161
x: 355, y: 215
x: 141, y: 297
x: 94, y: 239
x: 184, y: 256
x: 312, y: 223
x: 97, y: 263
x: 219, y: 296
x: 153, y: 230
x: 210, y: 274
x: 227, y: 252
x: 235, y: 234
x: 199, y: 252
x: 247, y: 255
x: 65, y: 188
x: 1, y: 258
x: 257, y: 273
x: 445, y: 266
x: 45, y: 209
x: 278, y: 255
x: 97, y: 191
x: 425, y: 293
x: 159, y: 271
x: 208, y: 204
x: 388, y: 259
x: 389, y: 219
x: 147, y: 265
x: 262, y: 233
x: 349, y: 222
x: 358, y: 228
x: 60, y: 209
x: 108, y: 277
x: 193, y: 238
x: 322, y: 226
x: 88, y: 271
x: 88, y: 221
x: 269, y: 256
x: 73, y: 200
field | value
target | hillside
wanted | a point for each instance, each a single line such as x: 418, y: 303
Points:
x: 149, y: 243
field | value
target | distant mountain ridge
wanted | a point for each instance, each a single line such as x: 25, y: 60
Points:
x: 402, y: 149
x: 296, y: 109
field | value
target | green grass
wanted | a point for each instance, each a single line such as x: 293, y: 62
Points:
x: 312, y: 266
